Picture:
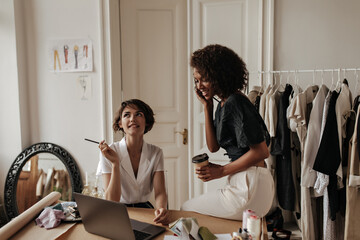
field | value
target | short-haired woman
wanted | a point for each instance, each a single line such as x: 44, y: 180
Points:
x: 132, y: 168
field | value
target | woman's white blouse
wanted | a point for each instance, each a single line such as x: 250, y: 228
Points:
x: 134, y: 190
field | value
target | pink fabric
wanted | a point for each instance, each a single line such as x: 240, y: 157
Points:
x: 50, y: 218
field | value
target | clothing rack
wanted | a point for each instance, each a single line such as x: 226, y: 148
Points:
x: 310, y: 71
x: 313, y: 71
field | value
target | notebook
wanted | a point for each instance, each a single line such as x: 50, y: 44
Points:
x: 111, y: 219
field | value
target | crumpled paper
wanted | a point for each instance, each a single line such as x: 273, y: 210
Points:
x: 50, y: 218
x: 186, y: 228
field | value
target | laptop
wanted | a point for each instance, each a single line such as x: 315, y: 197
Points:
x: 110, y: 219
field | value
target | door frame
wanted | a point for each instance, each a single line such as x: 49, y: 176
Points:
x: 110, y: 62
x: 264, y: 63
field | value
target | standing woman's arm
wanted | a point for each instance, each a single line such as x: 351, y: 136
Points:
x: 257, y: 153
x: 211, y: 140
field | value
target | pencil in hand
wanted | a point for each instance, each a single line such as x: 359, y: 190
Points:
x: 86, y: 139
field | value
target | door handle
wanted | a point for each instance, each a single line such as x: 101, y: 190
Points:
x: 184, y: 133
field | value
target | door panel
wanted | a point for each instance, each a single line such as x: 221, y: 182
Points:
x: 154, y: 69
x: 232, y: 23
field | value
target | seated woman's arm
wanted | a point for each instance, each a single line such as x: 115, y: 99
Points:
x: 256, y: 154
x: 161, y: 214
x: 112, y: 185
x: 111, y: 180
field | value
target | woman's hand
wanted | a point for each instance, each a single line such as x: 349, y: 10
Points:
x: 202, y: 99
x: 162, y: 216
x: 209, y: 172
x: 109, y: 153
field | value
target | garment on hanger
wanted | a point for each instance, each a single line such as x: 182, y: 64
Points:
x: 328, y: 157
x: 350, y: 126
x: 298, y: 115
x: 273, y: 115
x: 269, y: 111
x: 255, y: 96
x: 300, y: 112
x: 281, y: 148
x: 322, y: 180
x: 263, y: 102
x: 312, y: 141
x: 352, y: 220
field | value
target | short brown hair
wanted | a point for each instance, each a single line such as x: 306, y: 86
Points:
x: 222, y: 67
x: 143, y: 107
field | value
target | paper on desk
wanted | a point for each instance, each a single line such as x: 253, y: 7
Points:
x: 226, y: 236
x: 183, y: 227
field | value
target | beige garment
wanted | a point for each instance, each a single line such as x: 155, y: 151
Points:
x: 49, y: 183
x: 300, y: 114
x: 342, y: 108
x: 255, y: 91
x: 352, y: 219
x: 62, y: 184
x: 307, y: 215
x: 263, y: 102
x: 267, y: 109
x: 292, y: 124
x: 40, y: 184
x: 274, y: 99
x: 312, y: 141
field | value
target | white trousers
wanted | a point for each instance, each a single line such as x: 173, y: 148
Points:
x: 251, y: 189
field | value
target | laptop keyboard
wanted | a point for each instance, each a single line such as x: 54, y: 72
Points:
x: 140, y: 235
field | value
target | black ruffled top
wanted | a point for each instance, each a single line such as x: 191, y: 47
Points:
x: 238, y: 125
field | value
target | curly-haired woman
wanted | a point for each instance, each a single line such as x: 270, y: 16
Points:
x: 131, y: 168
x: 239, y: 129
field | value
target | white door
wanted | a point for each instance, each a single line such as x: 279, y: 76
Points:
x: 154, y: 69
x: 236, y: 24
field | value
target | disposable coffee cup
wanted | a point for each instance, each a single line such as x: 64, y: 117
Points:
x: 201, y: 160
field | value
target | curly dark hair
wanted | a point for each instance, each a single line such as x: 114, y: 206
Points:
x: 222, y: 67
x: 143, y: 107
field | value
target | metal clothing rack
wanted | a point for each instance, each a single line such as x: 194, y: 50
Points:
x: 313, y: 71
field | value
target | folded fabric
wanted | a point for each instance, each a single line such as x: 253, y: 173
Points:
x: 205, y: 234
x: 50, y: 218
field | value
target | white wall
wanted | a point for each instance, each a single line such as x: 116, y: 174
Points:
x: 10, y: 132
x: 49, y: 108
x: 319, y: 34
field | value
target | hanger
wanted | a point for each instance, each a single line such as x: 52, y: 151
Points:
x: 314, y: 77
x: 260, y: 79
x: 278, y: 85
x: 334, y: 84
x: 338, y: 83
x: 294, y: 86
x: 345, y: 81
x: 287, y: 77
x: 357, y: 90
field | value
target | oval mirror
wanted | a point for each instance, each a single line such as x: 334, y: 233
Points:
x: 37, y: 171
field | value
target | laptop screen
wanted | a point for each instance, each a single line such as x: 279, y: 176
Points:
x: 110, y: 219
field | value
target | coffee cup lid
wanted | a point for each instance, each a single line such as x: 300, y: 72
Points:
x: 200, y: 158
